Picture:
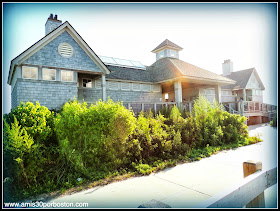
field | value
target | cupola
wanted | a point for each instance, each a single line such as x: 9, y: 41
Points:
x: 167, y: 49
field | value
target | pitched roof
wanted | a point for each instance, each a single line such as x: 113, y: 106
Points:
x: 168, y: 68
x: 167, y: 43
x: 126, y: 73
x: 242, y: 77
x: 49, y: 37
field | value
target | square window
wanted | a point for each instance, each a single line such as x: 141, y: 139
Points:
x: 87, y: 83
x: 49, y: 74
x: 136, y: 87
x: 66, y: 75
x: 29, y: 72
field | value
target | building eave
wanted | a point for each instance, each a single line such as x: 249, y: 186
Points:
x: 198, y: 80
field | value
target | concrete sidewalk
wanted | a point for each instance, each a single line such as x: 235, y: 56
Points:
x: 186, y: 185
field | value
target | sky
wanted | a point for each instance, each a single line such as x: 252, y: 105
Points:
x: 209, y: 33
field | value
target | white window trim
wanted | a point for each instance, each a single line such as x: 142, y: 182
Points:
x: 136, y: 89
x: 92, y: 86
x: 118, y: 85
x: 37, y: 75
x: 129, y: 84
x: 67, y: 71
x: 49, y: 69
x: 142, y: 87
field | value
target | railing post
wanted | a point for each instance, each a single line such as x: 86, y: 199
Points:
x: 155, y: 108
x: 190, y: 107
x: 142, y: 106
x: 250, y: 167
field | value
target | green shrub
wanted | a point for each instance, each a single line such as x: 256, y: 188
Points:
x: 28, y: 148
x: 44, y: 151
x: 152, y: 138
x: 95, y: 138
x: 214, y: 126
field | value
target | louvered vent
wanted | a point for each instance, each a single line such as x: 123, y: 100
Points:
x: 65, y: 50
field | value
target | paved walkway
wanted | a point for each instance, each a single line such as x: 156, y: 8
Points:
x: 186, y: 185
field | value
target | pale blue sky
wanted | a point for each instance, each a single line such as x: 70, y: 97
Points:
x: 209, y: 33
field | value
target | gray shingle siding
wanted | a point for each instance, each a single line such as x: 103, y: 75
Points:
x: 133, y: 96
x: 93, y: 95
x: 51, y: 94
x: 49, y: 56
x: 89, y: 94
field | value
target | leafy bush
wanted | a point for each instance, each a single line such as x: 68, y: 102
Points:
x: 45, y: 151
x: 214, y: 126
x: 94, y: 139
x: 28, y: 143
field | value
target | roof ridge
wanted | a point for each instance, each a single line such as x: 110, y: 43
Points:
x: 199, y: 68
x: 175, y: 64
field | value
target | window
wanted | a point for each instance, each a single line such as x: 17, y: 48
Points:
x: 172, y: 53
x: 29, y: 72
x: 66, y: 75
x: 49, y: 74
x: 166, y: 96
x: 136, y: 87
x: 160, y: 54
x: 87, y: 83
x: 146, y: 87
x: 156, y: 88
x: 113, y: 85
x: 125, y: 86
x: 202, y: 91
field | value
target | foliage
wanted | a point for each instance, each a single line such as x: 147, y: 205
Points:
x: 27, y: 147
x: 46, y: 151
x: 94, y: 138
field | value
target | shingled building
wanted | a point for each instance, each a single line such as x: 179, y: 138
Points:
x: 62, y: 66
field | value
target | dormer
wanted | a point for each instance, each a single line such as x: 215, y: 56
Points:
x: 167, y: 49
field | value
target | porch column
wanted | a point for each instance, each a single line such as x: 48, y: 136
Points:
x: 103, y: 85
x: 244, y: 95
x: 218, y: 93
x: 178, y: 92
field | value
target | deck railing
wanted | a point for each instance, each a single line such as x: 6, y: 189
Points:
x: 247, y: 107
x: 237, y: 107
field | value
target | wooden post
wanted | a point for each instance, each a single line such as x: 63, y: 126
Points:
x: 250, y: 167
x: 190, y: 107
x: 155, y: 109
x: 142, y: 107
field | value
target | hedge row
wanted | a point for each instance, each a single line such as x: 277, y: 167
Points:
x: 46, y: 151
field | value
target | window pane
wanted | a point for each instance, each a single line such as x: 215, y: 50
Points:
x: 87, y: 83
x: 26, y: 73
x: 29, y: 72
x: 48, y: 74
x: 66, y: 75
